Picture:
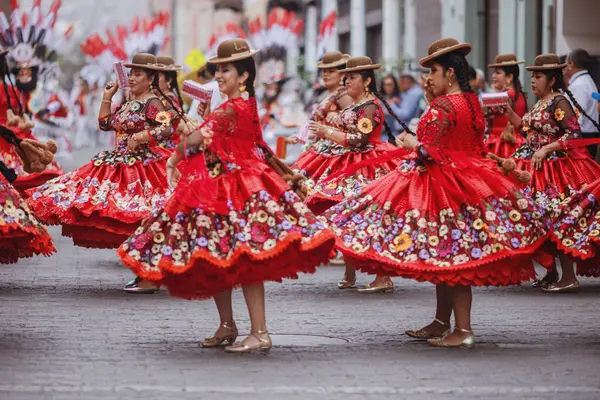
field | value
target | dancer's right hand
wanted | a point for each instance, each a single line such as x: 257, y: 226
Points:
x: 110, y: 89
x: 203, y: 109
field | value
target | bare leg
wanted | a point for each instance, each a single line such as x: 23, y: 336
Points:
x: 224, y: 306
x: 443, y: 313
x: 227, y: 331
x: 568, y: 271
x: 349, y: 279
x: 462, y: 298
x: 255, y: 300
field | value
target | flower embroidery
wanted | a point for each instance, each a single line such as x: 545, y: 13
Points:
x: 402, y: 242
x: 151, y: 112
x: 559, y: 114
x: 365, y: 126
x: 135, y: 106
x: 163, y: 117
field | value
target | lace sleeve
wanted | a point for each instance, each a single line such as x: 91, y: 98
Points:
x: 368, y: 118
x: 222, y: 121
x: 436, y: 123
x: 159, y: 119
x: 106, y: 123
x: 566, y: 119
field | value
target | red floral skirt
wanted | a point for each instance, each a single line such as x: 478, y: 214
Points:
x: 326, y: 192
x: 21, y: 235
x: 501, y: 148
x: 441, y: 224
x: 25, y: 180
x: 102, y: 203
x: 576, y: 230
x: 267, y: 234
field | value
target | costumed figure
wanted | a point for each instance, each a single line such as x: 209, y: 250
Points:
x: 33, y: 46
x: 559, y: 164
x: 502, y: 139
x: 351, y: 138
x: 232, y: 219
x: 103, y: 202
x: 447, y: 214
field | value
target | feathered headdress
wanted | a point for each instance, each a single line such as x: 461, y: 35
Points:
x: 32, y: 38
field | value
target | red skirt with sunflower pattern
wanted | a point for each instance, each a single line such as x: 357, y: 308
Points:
x: 576, y: 230
x: 442, y: 224
x: 326, y: 158
x: 101, y: 204
x: 266, y: 234
x: 21, y: 235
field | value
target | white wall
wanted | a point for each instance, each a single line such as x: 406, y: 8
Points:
x: 577, y: 26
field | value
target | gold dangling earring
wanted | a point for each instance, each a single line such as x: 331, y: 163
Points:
x: 367, y: 90
x: 243, y: 92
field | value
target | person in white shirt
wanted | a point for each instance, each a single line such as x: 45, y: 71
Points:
x: 582, y: 85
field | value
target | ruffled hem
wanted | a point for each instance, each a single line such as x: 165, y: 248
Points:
x: 18, y: 242
x: 500, y: 269
x: 93, y: 237
x: 205, y: 276
x: 30, y: 181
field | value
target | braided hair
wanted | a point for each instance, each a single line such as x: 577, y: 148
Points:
x: 373, y: 89
x: 461, y: 67
x: 560, y: 86
x: 171, y: 77
x: 167, y: 98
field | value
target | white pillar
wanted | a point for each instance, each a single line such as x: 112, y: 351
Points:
x: 358, y: 28
x: 410, y: 30
x: 391, y: 32
x: 453, y: 19
x: 310, y: 40
x: 328, y: 6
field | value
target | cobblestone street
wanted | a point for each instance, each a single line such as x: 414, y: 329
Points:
x: 67, y: 331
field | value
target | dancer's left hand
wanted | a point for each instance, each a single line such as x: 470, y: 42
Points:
x: 538, y: 158
x: 132, y: 143
x: 407, y: 141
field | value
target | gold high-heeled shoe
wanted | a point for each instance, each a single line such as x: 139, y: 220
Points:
x: 423, y: 334
x: 552, y: 288
x: 466, y: 343
x: 263, y: 345
x: 216, y: 341
x: 388, y: 287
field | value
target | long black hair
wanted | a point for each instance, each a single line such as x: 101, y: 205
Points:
x: 515, y: 71
x: 373, y: 89
x: 247, y: 65
x: 154, y: 76
x: 560, y: 86
x: 461, y: 67
x: 171, y: 78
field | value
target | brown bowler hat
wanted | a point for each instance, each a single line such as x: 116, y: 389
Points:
x: 146, y: 61
x: 363, y: 63
x: 232, y: 50
x: 333, y: 59
x: 444, y: 46
x: 545, y: 62
x: 505, y: 60
x: 168, y: 63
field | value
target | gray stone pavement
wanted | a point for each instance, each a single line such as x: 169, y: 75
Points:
x: 68, y: 332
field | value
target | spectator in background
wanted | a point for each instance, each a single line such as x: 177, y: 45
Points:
x: 482, y: 85
x: 580, y: 65
x: 391, y: 94
x: 411, y: 94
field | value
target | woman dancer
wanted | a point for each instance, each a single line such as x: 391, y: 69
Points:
x: 312, y: 163
x: 103, y: 202
x: 556, y: 163
x: 502, y: 139
x: 167, y: 82
x: 232, y: 221
x: 446, y: 215
x: 357, y: 139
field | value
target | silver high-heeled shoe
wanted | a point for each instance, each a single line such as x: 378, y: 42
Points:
x: 216, y: 341
x: 263, y: 346
x: 466, y: 343
x: 422, y: 334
